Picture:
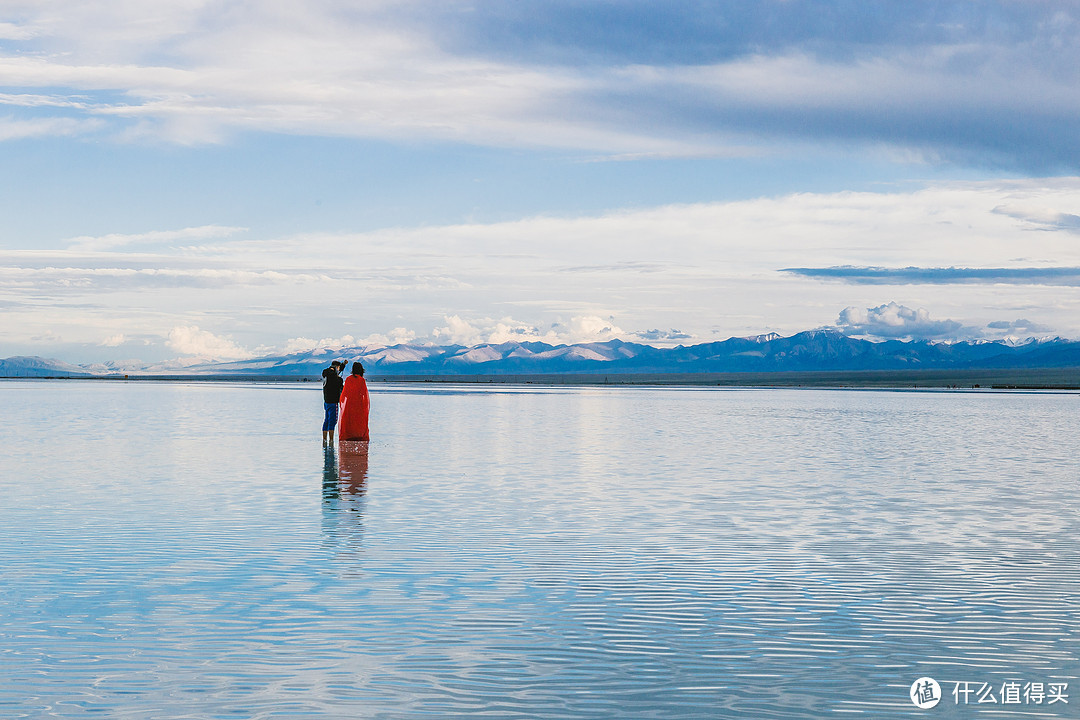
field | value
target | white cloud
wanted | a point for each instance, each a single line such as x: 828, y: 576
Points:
x: 86, y: 243
x: 1040, y: 216
x: 303, y: 344
x: 396, y: 336
x: 458, y: 331
x: 579, y: 329
x: 708, y: 269
x: 197, y: 70
x: 42, y: 127
x: 117, y: 279
x: 13, y: 31
x: 590, y: 328
x: 896, y: 321
x: 289, y: 68
x: 32, y: 100
x: 189, y: 340
x: 113, y: 340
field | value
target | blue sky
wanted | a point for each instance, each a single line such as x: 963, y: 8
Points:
x: 223, y: 178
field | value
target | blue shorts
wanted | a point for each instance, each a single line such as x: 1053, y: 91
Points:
x: 330, y: 421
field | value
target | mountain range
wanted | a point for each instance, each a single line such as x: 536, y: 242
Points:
x: 810, y: 351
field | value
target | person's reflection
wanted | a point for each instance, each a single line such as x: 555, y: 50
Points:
x: 331, y: 480
x: 345, y: 470
x: 353, y: 468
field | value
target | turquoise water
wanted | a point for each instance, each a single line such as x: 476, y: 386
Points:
x: 174, y: 550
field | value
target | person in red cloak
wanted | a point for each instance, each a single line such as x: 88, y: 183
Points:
x: 354, y: 405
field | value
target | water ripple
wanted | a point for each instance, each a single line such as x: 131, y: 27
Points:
x: 528, y: 553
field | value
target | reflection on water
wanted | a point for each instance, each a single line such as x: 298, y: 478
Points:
x: 353, y: 465
x: 331, y: 477
x: 530, y: 553
x: 345, y: 471
x: 344, y: 482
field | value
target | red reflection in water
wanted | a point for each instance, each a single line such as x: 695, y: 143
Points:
x: 353, y: 465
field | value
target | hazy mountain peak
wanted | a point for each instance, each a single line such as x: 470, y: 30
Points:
x: 821, y: 349
x: 35, y: 366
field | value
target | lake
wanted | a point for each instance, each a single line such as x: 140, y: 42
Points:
x: 190, y: 550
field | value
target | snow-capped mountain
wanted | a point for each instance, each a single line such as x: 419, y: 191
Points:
x: 815, y: 350
x: 24, y: 366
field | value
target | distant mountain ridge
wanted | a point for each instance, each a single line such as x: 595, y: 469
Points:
x: 814, y: 350
x: 33, y: 366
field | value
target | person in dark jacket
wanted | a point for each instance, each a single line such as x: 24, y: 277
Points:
x: 331, y: 390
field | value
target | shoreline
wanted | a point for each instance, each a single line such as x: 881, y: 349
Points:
x: 971, y: 379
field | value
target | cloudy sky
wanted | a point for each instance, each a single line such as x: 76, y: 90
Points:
x: 233, y: 177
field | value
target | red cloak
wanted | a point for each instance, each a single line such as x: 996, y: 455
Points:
x: 354, y: 406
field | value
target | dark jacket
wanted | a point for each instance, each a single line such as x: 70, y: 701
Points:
x: 331, y: 385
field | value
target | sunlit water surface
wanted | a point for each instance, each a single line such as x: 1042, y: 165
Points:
x: 192, y: 551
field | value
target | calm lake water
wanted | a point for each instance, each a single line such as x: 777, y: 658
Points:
x: 174, y: 550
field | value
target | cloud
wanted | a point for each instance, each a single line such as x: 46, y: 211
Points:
x: 319, y: 69
x: 1019, y: 326
x: 993, y: 84
x: 396, y: 336
x: 303, y: 344
x: 585, y: 328
x: 189, y: 340
x: 458, y: 331
x: 589, y: 328
x: 1067, y: 276
x: 12, y: 129
x: 113, y: 340
x: 708, y: 269
x: 13, y: 31
x: 893, y: 321
x: 32, y: 100
x: 662, y: 335
x: 642, y: 32
x: 119, y: 279
x: 1043, y: 218
x: 86, y: 243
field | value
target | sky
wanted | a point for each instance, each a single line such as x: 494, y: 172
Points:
x: 232, y: 178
